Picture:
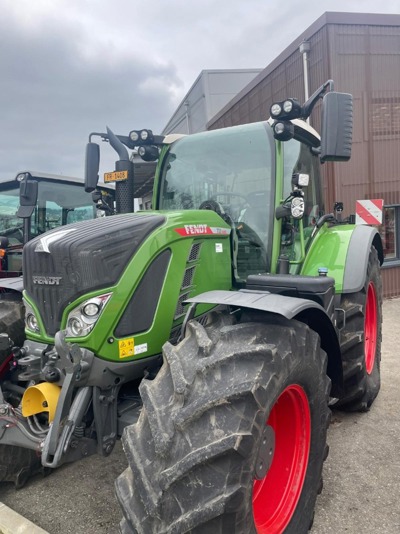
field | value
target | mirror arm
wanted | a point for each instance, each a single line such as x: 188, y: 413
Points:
x: 319, y: 93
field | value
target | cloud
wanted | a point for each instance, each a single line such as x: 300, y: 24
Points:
x: 70, y: 67
x: 54, y: 92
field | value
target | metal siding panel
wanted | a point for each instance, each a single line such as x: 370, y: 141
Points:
x: 391, y: 281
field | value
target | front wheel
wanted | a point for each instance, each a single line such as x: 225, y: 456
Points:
x: 232, y: 434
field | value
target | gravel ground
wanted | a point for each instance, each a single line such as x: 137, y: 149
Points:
x: 361, y: 476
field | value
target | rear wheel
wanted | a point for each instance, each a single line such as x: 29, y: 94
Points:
x: 361, y: 339
x: 232, y: 434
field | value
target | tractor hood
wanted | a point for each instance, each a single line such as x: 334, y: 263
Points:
x: 63, y: 264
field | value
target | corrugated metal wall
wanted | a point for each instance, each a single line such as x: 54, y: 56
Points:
x: 364, y: 60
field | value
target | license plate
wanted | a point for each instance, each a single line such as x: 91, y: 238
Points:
x: 116, y: 176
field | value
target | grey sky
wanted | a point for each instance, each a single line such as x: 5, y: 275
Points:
x: 70, y: 67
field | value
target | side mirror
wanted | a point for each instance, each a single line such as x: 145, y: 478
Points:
x: 28, y: 194
x: 92, y: 163
x: 336, y: 127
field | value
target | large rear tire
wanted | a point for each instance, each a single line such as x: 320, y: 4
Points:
x: 229, y: 400
x: 361, y: 339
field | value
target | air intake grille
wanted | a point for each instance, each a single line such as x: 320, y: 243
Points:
x: 194, y: 252
x: 187, y: 283
x: 180, y: 308
x: 187, y: 279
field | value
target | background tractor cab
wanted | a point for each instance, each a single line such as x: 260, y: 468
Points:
x: 33, y: 203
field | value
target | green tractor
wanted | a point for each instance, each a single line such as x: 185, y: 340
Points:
x: 211, y: 333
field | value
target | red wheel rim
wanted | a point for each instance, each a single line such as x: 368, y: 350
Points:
x: 370, y: 328
x: 275, y: 497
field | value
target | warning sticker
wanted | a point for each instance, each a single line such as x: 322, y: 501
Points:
x: 369, y: 211
x: 126, y: 347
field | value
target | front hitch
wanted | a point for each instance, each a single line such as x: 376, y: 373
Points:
x: 68, y: 415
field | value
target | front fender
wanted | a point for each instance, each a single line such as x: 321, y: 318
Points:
x: 304, y: 310
x: 289, y: 307
x: 344, y: 251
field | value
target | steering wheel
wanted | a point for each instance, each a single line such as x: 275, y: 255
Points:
x: 212, y: 205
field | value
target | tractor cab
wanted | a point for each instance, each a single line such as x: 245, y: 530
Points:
x: 236, y: 172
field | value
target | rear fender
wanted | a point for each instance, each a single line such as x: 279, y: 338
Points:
x: 304, y: 310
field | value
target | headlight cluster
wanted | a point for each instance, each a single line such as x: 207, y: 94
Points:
x: 31, y: 321
x: 82, y: 319
x: 286, y: 110
x: 141, y: 136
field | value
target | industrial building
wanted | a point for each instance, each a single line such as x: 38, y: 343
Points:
x: 210, y: 92
x: 361, y: 53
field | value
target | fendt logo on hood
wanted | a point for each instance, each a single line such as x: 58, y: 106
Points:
x: 47, y: 280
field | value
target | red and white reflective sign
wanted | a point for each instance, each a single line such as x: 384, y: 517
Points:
x: 369, y: 211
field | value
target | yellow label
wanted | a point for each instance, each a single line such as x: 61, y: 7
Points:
x: 126, y: 347
x: 116, y: 176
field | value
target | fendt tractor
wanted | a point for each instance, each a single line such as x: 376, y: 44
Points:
x: 212, y: 333
x: 31, y: 204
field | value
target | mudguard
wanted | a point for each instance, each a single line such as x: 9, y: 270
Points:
x: 304, y: 310
x: 14, y: 284
x: 355, y: 270
x: 344, y: 251
x: 289, y: 307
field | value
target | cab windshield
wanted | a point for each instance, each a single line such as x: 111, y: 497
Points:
x: 229, y: 170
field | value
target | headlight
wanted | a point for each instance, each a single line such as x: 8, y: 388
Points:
x: 92, y: 308
x: 76, y: 326
x: 276, y: 110
x: 134, y: 135
x: 31, y: 321
x: 82, y: 319
x: 297, y: 207
x: 287, y: 106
